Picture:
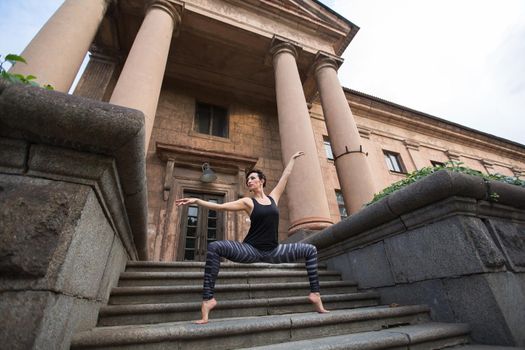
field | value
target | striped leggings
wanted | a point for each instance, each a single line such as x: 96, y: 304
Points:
x: 245, y: 253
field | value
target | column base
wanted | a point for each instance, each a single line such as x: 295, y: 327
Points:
x: 313, y: 223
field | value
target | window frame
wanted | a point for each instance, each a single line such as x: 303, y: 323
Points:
x: 328, y: 146
x: 437, y: 163
x: 340, y: 203
x: 213, y: 109
x: 388, y: 156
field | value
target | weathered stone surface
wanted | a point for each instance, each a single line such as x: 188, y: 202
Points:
x: 508, y: 290
x: 114, y: 266
x: 13, y: 155
x: 473, y: 302
x: 36, y: 319
x: 431, y: 293
x: 487, y: 250
x: 511, y: 239
x: 88, y: 253
x: 371, y: 267
x: 34, y: 213
x: 342, y: 263
x: 433, y: 251
x: 55, y: 119
x: 21, y: 311
x: 508, y: 194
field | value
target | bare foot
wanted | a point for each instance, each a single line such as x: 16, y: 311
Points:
x: 206, y: 307
x: 315, y: 298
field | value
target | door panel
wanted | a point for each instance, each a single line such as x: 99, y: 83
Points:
x: 199, y: 227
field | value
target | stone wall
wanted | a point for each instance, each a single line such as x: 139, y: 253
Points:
x: 443, y: 243
x: 72, y: 208
x: 253, y: 132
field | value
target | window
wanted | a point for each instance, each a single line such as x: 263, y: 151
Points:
x: 211, y: 120
x: 341, y: 204
x: 328, y: 148
x: 393, y: 162
x: 434, y: 163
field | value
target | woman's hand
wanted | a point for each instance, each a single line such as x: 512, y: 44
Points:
x: 185, y: 201
x: 297, y: 155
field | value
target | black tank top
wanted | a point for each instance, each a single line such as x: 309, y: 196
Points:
x: 264, y: 226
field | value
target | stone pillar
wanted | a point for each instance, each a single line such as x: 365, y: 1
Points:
x: 351, y: 163
x: 99, y: 77
x: 55, y: 54
x: 305, y: 190
x: 141, y: 79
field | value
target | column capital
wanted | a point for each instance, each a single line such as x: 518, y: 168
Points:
x: 174, y: 8
x: 324, y: 59
x: 281, y: 44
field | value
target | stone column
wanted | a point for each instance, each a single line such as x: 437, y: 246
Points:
x: 99, y: 77
x: 55, y: 54
x: 141, y: 79
x: 351, y: 163
x: 305, y: 190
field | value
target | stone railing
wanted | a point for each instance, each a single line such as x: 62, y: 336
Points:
x: 443, y: 242
x: 72, y: 209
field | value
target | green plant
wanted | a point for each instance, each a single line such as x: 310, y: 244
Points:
x: 451, y: 166
x: 18, y: 78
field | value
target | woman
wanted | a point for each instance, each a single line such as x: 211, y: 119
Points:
x: 260, y: 244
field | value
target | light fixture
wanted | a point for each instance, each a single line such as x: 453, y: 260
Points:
x: 208, y: 175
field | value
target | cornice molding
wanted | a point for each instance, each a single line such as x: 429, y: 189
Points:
x: 413, y: 121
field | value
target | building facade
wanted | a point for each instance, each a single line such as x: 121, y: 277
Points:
x: 237, y: 84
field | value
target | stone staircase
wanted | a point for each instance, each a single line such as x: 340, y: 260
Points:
x: 260, y: 306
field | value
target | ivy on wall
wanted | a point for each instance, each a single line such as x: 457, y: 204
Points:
x: 451, y: 166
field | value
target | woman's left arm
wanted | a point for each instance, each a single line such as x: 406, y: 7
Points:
x: 279, y: 189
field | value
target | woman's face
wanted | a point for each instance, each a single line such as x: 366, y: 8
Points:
x: 253, y: 181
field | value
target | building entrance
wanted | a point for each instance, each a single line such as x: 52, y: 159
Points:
x: 199, y: 227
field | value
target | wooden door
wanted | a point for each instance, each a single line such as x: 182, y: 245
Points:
x: 199, y: 227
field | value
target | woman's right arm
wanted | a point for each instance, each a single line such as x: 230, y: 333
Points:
x: 238, y: 205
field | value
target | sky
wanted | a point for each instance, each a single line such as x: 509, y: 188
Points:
x: 459, y: 60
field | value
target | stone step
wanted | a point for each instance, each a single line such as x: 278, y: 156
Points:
x: 485, y: 347
x: 196, y: 266
x: 249, y: 331
x: 174, y: 294
x: 430, y: 335
x: 225, y: 277
x: 114, y: 315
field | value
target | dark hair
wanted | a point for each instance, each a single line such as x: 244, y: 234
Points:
x: 259, y: 173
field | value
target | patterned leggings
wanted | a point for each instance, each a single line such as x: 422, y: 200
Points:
x: 245, y: 253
